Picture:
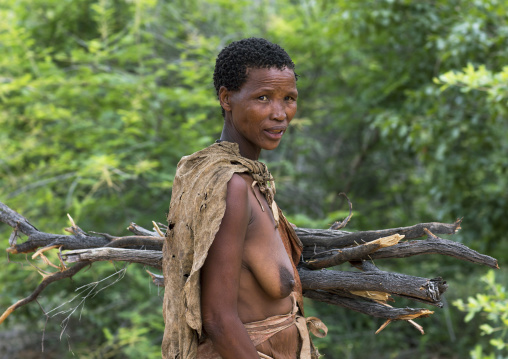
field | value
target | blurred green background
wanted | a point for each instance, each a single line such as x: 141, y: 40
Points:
x: 402, y: 105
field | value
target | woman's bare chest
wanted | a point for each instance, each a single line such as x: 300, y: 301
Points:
x: 265, y: 255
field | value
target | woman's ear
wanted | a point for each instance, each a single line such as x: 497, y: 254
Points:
x: 224, y: 96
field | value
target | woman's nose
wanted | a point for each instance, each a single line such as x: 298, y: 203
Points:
x: 279, y: 111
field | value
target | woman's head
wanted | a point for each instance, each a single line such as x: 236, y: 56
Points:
x: 252, y: 53
x: 256, y: 87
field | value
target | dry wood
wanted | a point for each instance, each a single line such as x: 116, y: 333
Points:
x: 341, y: 224
x: 435, y: 245
x: 68, y: 273
x: 421, y: 289
x: 144, y: 242
x: 77, y: 240
x: 367, y: 307
x: 157, y: 279
x: 365, y: 292
x: 328, y: 238
x: 338, y: 256
x: 140, y: 231
x: 145, y: 257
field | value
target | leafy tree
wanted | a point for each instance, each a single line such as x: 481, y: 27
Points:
x: 493, y: 306
x: 99, y: 99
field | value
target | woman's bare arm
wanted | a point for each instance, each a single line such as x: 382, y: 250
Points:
x: 220, y: 278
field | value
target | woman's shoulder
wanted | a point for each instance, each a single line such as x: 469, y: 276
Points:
x: 216, y: 157
x: 238, y: 185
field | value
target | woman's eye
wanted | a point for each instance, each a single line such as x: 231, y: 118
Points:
x: 289, y: 98
x: 263, y: 98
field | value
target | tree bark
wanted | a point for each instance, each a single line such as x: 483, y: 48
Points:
x: 371, y: 308
x: 145, y: 257
x: 421, y: 289
x: 329, y: 238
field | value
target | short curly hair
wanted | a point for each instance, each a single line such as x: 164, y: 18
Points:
x: 233, y: 61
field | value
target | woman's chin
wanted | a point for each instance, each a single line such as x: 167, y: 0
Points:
x: 270, y: 145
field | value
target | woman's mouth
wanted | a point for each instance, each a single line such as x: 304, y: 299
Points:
x: 275, y: 133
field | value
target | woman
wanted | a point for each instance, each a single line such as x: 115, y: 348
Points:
x: 232, y: 289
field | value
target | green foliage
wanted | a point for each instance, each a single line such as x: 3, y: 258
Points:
x: 84, y: 106
x: 456, y: 137
x: 402, y: 105
x: 493, y: 307
x: 304, y: 221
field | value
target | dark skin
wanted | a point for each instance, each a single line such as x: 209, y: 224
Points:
x: 247, y: 275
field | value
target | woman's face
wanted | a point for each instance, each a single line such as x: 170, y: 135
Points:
x: 260, y: 112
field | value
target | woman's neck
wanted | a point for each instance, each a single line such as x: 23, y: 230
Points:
x: 247, y: 150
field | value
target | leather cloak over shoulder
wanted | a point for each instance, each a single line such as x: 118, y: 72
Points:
x: 198, y: 204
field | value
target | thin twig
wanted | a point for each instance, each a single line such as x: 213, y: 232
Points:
x: 45, y: 282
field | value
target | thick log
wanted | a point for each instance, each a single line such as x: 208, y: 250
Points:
x: 416, y: 288
x: 367, y: 307
x: 42, y: 239
x: 347, y: 300
x: 145, y: 257
x: 341, y: 298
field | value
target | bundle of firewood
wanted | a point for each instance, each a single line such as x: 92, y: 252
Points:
x: 367, y: 290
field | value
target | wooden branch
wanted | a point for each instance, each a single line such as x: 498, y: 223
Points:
x: 367, y: 307
x: 42, y: 239
x: 365, y: 266
x: 157, y: 279
x: 38, y: 239
x: 366, y: 291
x: 421, y: 289
x: 147, y: 242
x: 68, y: 273
x: 328, y: 238
x: 145, y: 257
x: 77, y: 240
x: 434, y: 245
x: 15, y: 220
x: 347, y: 300
x: 341, y: 224
x: 339, y: 256
x: 134, y: 228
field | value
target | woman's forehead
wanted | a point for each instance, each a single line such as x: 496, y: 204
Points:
x: 271, y: 76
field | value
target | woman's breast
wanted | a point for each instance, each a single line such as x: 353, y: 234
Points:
x: 267, y: 277
x: 266, y: 258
